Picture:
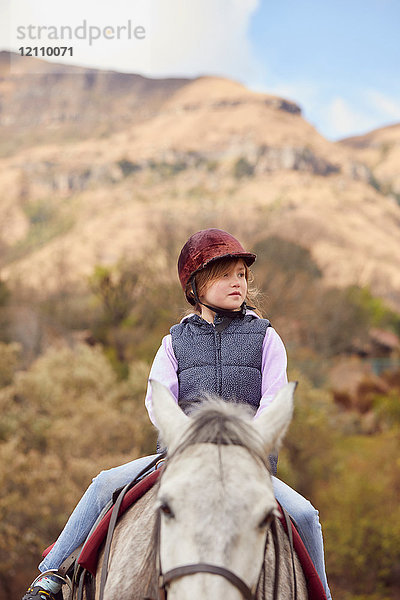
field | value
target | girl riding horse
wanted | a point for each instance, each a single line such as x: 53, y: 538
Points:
x: 223, y: 347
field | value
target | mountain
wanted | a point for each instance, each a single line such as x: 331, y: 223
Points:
x: 45, y: 102
x: 99, y: 165
x: 380, y: 150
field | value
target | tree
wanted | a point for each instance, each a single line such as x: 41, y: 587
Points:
x: 63, y: 420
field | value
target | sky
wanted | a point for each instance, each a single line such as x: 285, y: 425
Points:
x: 338, y: 59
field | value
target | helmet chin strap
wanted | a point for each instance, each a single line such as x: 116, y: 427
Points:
x: 221, y: 312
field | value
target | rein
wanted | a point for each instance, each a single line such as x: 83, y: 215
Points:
x: 114, y: 517
x: 164, y: 579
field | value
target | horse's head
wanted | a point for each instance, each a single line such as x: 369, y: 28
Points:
x: 215, y: 497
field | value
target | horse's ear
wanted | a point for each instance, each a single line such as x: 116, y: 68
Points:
x: 274, y: 421
x: 170, y: 419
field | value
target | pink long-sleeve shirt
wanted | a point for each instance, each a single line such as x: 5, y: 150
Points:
x: 273, y: 366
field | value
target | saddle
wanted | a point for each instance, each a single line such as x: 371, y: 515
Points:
x: 88, y: 550
x: 86, y: 557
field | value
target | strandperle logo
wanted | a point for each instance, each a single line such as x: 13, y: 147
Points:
x: 84, y: 31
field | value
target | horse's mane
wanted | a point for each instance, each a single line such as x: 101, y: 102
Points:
x: 214, y: 422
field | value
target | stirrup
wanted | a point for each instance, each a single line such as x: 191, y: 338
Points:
x: 54, y: 573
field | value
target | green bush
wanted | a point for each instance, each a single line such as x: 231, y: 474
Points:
x: 243, y: 168
x: 5, y: 293
x: 63, y: 421
x: 9, y: 361
x: 361, y: 513
x: 127, y: 167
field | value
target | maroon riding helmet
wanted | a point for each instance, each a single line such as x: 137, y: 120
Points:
x: 204, y: 247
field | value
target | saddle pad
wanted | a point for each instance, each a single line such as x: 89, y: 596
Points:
x: 92, y: 545
x: 315, y: 588
x: 89, y: 556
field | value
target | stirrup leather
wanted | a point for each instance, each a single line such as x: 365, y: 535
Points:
x: 64, y: 579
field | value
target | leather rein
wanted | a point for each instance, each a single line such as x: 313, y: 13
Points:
x: 164, y: 579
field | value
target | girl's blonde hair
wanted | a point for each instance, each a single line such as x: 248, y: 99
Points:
x: 217, y: 269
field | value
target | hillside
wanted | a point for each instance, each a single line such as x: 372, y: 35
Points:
x: 99, y: 180
x: 380, y: 150
x: 43, y: 102
x: 96, y: 167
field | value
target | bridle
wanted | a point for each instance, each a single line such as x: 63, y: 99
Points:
x: 164, y: 579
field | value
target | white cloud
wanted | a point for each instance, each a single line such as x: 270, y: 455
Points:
x: 385, y: 106
x: 28, y: 22
x: 196, y: 38
x: 344, y: 119
x: 203, y: 37
x: 370, y: 110
x: 182, y: 38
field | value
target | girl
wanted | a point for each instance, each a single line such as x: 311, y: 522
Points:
x: 222, y: 347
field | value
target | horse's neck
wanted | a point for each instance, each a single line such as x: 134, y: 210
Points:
x: 286, y: 582
x: 130, y: 569
x: 128, y: 576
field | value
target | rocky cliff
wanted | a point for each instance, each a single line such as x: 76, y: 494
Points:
x: 380, y: 150
x: 96, y: 165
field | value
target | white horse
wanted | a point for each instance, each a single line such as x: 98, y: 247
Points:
x: 213, y: 507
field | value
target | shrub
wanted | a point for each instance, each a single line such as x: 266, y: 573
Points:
x: 9, y: 361
x: 63, y: 420
x: 361, y: 514
x: 243, y: 168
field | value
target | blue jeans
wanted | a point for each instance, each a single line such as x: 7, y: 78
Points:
x: 100, y: 492
x: 308, y: 526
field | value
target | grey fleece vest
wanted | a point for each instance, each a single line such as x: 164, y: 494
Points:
x: 220, y: 360
x: 224, y: 361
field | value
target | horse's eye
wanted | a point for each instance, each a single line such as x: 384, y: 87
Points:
x: 266, y: 521
x: 166, y: 510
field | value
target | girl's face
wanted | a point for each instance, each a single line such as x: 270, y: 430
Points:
x: 229, y: 291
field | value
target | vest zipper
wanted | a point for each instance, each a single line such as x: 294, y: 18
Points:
x: 219, y: 361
